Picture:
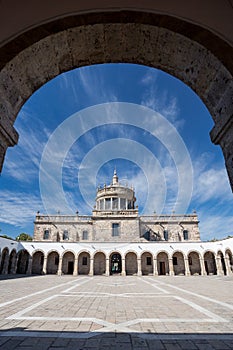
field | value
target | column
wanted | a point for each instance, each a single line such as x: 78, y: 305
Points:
x: 171, y: 269
x: 139, y: 267
x: 187, y: 269
x: 29, y: 268
x: 59, y: 269
x: 123, y: 267
x: 44, y: 270
x: 202, y: 263
x: 91, y: 272
x: 227, y: 263
x: 75, y: 272
x: 155, y: 268
x: 107, y: 267
x: 218, y: 266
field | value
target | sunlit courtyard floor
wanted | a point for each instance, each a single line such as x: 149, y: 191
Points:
x: 51, y: 312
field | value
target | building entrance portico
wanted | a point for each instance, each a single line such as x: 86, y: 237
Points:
x: 116, y: 263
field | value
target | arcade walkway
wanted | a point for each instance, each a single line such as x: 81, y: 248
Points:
x: 66, y: 312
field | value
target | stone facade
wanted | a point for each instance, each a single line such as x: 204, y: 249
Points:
x: 115, y: 219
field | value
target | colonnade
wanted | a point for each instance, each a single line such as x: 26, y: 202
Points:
x: 130, y: 263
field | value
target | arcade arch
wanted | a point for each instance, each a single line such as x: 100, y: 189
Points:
x: 147, y: 263
x: 115, y: 263
x: 37, y: 263
x: 22, y: 263
x: 99, y: 263
x: 194, y: 263
x: 12, y: 262
x: 229, y: 260
x: 4, y: 261
x: 68, y: 263
x: 84, y: 263
x: 210, y: 263
x: 178, y: 263
x: 181, y: 48
x: 131, y: 266
x: 52, y: 263
x: 162, y: 263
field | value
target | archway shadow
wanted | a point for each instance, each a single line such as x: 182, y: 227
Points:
x: 19, y: 337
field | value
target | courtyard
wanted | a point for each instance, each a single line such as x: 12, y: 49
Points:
x: 67, y: 312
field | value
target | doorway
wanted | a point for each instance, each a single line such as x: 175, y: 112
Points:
x: 116, y: 265
x: 70, y: 267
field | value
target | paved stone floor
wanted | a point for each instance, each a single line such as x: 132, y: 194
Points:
x: 51, y: 312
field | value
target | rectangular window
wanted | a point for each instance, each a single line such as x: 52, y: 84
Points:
x: 185, y: 235
x: 108, y: 204
x: 65, y: 235
x: 174, y: 259
x: 115, y: 203
x: 115, y: 230
x: 46, y: 234
x: 101, y: 204
x: 122, y: 203
x: 165, y: 235
x: 148, y: 260
x: 85, y: 235
x: 84, y: 260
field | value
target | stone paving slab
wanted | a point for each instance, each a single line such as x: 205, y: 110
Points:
x: 52, y: 312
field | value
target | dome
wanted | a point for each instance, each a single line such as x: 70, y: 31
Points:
x: 115, y: 197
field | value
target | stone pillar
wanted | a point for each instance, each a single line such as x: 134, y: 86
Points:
x: 75, y: 272
x: 171, y: 269
x: 187, y: 269
x: 227, y: 263
x: 155, y: 267
x: 29, y: 268
x: 139, y: 267
x: 123, y: 273
x: 202, y: 263
x: 218, y: 266
x: 91, y: 272
x: 107, y: 267
x: 44, y: 270
x: 59, y: 269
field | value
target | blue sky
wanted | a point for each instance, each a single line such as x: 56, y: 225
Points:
x: 158, y: 141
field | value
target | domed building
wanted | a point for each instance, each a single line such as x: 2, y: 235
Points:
x: 115, y: 239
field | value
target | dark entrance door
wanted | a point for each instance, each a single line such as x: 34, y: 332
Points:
x: 162, y: 268
x: 115, y: 264
x: 70, y: 267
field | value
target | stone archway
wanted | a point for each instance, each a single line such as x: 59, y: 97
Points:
x: 4, y: 261
x: 84, y: 263
x: 221, y: 263
x: 37, y: 263
x: 178, y: 263
x: 184, y: 50
x: 68, y: 263
x: 23, y: 260
x: 147, y: 263
x: 210, y: 263
x: 162, y: 263
x: 131, y: 266
x: 99, y: 264
x: 229, y: 260
x: 12, y: 262
x: 52, y: 263
x: 194, y: 263
x: 115, y: 263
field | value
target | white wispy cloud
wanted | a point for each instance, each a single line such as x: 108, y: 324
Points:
x: 18, y: 208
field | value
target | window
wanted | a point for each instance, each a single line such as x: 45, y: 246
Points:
x: 174, y: 259
x: 115, y: 203
x: 108, y: 204
x: 185, y: 235
x: 165, y: 235
x: 65, y: 235
x: 101, y: 204
x: 46, y: 234
x: 122, y: 203
x: 115, y: 230
x: 84, y: 262
x: 148, y: 260
x: 85, y: 235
